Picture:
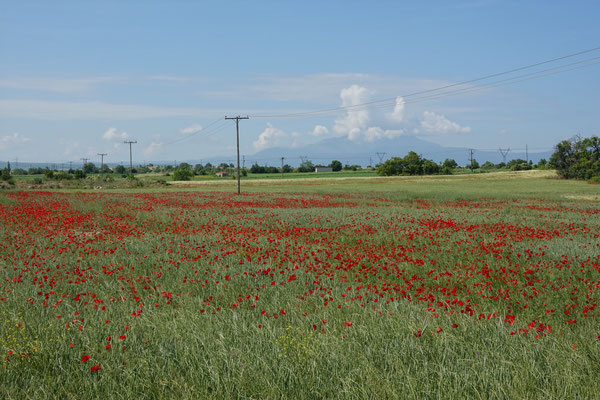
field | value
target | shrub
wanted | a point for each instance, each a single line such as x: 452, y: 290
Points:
x: 577, y: 158
x: 411, y: 164
x: 182, y: 174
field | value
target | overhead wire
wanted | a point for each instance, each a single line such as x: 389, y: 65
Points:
x: 386, y: 102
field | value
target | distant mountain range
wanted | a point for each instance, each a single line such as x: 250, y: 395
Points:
x: 365, y: 153
x: 344, y: 150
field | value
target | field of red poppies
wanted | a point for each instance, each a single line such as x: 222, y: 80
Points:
x: 208, y: 294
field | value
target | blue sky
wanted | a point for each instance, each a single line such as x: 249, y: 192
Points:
x: 79, y: 78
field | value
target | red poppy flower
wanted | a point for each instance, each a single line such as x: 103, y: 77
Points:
x: 85, y: 358
x: 95, y: 368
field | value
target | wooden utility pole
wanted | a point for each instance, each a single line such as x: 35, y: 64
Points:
x: 282, y: 158
x: 471, y: 159
x: 237, y: 135
x: 85, y: 160
x: 102, y: 162
x: 130, y: 142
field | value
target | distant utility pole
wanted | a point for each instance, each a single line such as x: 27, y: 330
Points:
x: 282, y: 158
x: 504, y: 152
x: 370, y: 162
x: 471, y: 158
x: 130, y: 142
x: 17, y: 163
x: 243, y: 162
x: 237, y: 135
x: 102, y: 162
x: 380, y: 155
x: 70, y: 165
x: 85, y: 160
x: 526, y: 154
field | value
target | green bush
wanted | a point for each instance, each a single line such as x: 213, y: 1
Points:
x: 411, y: 164
x: 577, y: 158
x: 182, y: 174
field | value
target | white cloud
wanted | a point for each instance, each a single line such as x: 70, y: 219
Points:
x: 58, y: 85
x: 168, y: 78
x: 152, y: 147
x: 398, y: 114
x: 69, y: 110
x: 433, y: 123
x: 355, y: 120
x: 376, y: 133
x: 113, y: 134
x: 15, y: 138
x: 270, y: 137
x: 70, y: 148
x: 190, y: 130
x: 320, y: 130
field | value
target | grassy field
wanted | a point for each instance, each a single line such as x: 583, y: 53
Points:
x: 467, y: 286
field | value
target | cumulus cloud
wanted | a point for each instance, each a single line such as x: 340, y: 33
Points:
x: 398, y: 114
x: 152, y: 147
x: 375, y: 133
x: 355, y: 120
x: 15, y: 138
x: 192, y: 129
x: 270, y: 137
x: 113, y: 134
x: 433, y: 123
x: 320, y: 130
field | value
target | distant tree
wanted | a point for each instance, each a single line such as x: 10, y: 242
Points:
x: 185, y: 165
x: 430, y: 167
x: 119, y: 169
x: 488, y: 165
x: 19, y: 171
x: 577, y: 158
x: 79, y: 174
x: 35, y: 171
x: 335, y: 165
x: 257, y: 169
x: 450, y: 163
x: 306, y: 166
x: 473, y: 165
x: 287, y: 168
x: 89, y: 168
x: 518, y: 164
x: 542, y: 163
x: 411, y: 164
x: 5, y: 174
x: 182, y: 174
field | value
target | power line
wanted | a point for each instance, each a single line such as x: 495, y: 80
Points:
x: 203, y: 131
x: 388, y: 100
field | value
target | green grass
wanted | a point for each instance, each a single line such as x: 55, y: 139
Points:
x: 176, y: 350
